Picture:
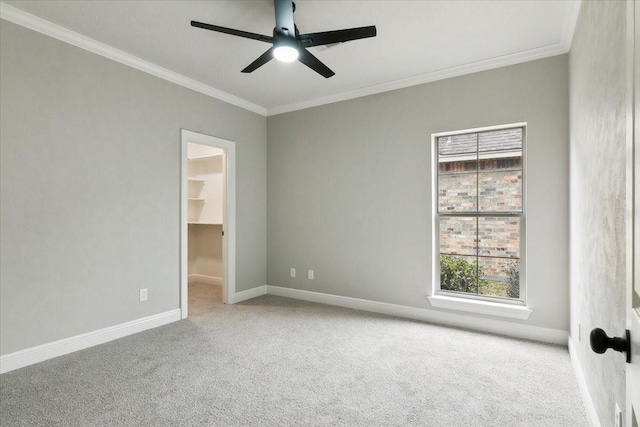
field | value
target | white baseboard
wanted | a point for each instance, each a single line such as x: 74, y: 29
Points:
x: 209, y: 280
x: 29, y: 356
x: 495, y: 326
x: 592, y: 415
x: 22, y: 358
x: 248, y: 294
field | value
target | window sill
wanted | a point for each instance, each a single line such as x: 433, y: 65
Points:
x: 481, y: 307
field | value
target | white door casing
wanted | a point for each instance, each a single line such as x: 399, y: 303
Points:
x: 633, y: 214
x: 228, y: 215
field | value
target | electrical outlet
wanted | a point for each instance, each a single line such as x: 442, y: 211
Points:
x: 292, y: 272
x: 618, y: 415
x: 144, y: 294
x: 310, y: 274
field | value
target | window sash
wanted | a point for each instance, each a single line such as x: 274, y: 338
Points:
x: 481, y: 213
x: 522, y: 280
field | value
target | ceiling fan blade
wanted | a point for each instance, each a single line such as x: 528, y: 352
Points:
x: 262, y: 59
x: 337, y: 36
x: 314, y: 63
x: 239, y: 33
x: 284, y: 17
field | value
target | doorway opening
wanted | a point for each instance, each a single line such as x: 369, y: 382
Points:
x: 207, y: 237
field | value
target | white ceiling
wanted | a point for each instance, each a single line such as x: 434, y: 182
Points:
x: 417, y: 41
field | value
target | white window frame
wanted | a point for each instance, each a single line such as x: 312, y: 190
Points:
x: 482, y: 304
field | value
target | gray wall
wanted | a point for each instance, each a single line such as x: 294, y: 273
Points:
x: 349, y: 186
x: 597, y: 105
x: 90, y: 189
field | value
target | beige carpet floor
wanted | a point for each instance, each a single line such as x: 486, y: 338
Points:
x: 274, y: 361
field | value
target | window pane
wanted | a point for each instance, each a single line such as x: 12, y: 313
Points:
x: 499, y: 237
x: 458, y: 191
x: 500, y: 170
x: 457, y: 145
x: 500, y: 140
x: 459, y: 274
x: 458, y: 236
x: 457, y: 173
x: 500, y: 191
x: 499, y: 277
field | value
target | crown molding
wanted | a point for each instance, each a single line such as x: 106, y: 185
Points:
x: 570, y: 22
x: 40, y: 25
x: 50, y: 29
x: 560, y: 48
x: 447, y: 73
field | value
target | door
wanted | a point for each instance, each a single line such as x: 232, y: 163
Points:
x: 633, y: 296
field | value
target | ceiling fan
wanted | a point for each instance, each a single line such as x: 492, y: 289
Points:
x: 287, y: 42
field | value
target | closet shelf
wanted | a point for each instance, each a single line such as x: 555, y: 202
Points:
x: 204, y: 187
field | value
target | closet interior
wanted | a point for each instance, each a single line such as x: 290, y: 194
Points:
x: 205, y: 199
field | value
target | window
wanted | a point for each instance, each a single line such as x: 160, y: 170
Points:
x: 480, y: 210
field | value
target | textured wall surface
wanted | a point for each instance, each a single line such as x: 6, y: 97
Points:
x: 349, y: 186
x: 597, y: 105
x: 90, y: 189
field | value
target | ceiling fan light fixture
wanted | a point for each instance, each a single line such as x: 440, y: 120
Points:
x: 288, y: 45
x: 286, y: 53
